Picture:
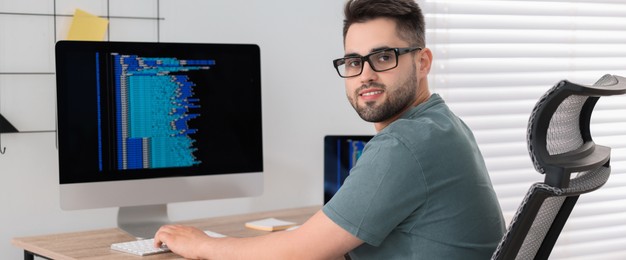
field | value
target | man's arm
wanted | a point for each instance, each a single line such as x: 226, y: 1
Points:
x: 318, y: 238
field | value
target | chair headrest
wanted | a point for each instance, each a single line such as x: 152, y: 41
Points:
x: 559, y: 138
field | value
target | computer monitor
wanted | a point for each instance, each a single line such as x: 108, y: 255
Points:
x: 143, y: 124
x: 340, y: 154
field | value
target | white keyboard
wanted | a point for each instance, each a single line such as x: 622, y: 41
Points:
x: 146, y: 246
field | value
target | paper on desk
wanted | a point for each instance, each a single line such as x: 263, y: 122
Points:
x: 87, y: 27
x: 270, y: 224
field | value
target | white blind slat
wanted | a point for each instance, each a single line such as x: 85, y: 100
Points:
x: 588, y: 250
x: 487, y: 108
x: 546, y: 8
x: 527, y: 50
x: 529, y: 22
x: 525, y: 36
x: 508, y: 65
x: 447, y: 79
x: 500, y: 135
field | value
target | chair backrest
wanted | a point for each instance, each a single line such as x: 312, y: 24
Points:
x: 561, y: 147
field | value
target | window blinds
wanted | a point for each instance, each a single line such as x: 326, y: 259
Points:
x: 492, y: 62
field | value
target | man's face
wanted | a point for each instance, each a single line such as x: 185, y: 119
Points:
x: 379, y: 96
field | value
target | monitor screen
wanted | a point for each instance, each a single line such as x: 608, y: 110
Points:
x: 340, y: 154
x: 139, y: 116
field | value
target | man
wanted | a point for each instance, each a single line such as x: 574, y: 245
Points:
x: 420, y: 189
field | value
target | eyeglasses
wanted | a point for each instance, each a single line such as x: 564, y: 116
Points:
x: 381, y: 60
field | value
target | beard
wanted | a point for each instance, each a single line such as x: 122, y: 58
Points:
x: 399, y: 98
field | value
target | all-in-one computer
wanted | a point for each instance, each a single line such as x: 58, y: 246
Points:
x: 144, y: 124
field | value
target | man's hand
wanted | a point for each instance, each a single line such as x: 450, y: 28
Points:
x: 188, y: 242
x: 317, y: 238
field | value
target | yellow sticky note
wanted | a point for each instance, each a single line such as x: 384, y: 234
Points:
x: 87, y: 27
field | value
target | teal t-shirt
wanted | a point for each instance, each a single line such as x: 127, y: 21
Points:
x: 420, y: 190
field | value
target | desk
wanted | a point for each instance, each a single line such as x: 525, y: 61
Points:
x: 96, y: 244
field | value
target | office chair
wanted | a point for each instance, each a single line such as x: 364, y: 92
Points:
x: 561, y: 147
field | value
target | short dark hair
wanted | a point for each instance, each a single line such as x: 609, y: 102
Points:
x: 406, y: 13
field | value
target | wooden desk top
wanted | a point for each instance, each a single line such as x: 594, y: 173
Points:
x: 96, y: 244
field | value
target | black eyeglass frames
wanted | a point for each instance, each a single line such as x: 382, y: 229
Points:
x: 380, y: 60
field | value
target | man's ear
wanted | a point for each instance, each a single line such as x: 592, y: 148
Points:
x: 425, y: 61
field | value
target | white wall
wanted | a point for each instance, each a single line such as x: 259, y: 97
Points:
x: 303, y: 100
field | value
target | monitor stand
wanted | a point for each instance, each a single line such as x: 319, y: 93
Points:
x: 142, y: 222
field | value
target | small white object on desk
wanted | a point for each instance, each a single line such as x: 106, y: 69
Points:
x: 270, y: 224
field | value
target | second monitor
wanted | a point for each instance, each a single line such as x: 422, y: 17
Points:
x: 340, y: 154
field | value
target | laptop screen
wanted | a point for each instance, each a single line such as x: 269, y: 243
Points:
x: 340, y: 154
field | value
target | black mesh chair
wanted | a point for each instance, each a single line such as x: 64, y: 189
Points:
x: 561, y: 147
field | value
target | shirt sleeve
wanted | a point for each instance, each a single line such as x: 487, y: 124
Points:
x: 383, y: 189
